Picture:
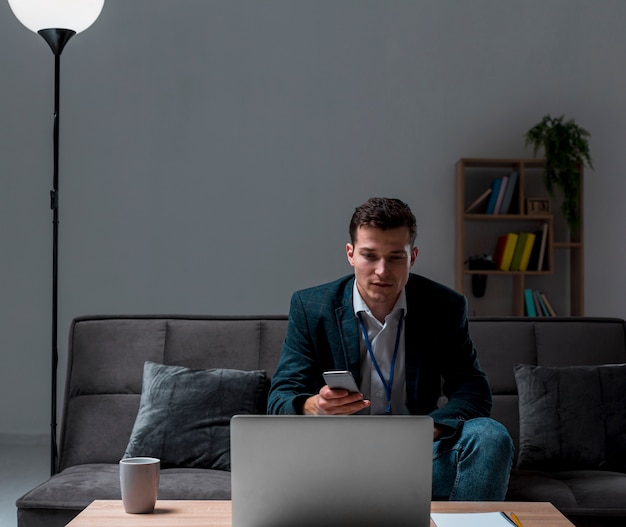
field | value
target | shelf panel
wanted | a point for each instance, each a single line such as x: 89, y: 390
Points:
x: 505, y: 273
x: 568, y: 245
x: 508, y: 217
x: 477, y: 162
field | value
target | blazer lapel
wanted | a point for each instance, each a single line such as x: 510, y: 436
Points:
x: 349, y: 332
x: 412, y: 361
x: 414, y: 318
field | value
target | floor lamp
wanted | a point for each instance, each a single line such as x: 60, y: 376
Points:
x: 56, y: 21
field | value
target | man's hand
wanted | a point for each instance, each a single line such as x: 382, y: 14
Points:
x: 334, y: 402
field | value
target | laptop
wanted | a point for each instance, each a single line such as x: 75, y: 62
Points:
x: 301, y: 471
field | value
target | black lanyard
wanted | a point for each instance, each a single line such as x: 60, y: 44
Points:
x: 388, y: 385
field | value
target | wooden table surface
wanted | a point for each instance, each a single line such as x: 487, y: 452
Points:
x: 197, y: 513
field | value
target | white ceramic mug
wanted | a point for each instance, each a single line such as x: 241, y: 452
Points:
x: 139, y: 482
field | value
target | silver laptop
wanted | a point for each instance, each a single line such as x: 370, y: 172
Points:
x: 300, y: 471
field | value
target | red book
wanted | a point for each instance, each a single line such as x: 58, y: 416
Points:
x: 499, y: 250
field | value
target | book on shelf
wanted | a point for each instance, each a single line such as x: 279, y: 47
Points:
x: 542, y: 304
x: 498, y: 252
x: 495, y: 190
x: 519, y: 249
x: 534, y: 255
x: 527, y: 250
x: 537, y: 255
x: 547, y: 304
x: 542, y: 249
x: 509, y: 250
x: 536, y: 304
x: 529, y: 303
x: 538, y: 309
x: 513, y: 251
x: 509, y: 191
x: 478, y: 201
x: 501, y: 192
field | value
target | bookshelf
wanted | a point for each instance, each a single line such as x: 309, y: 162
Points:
x: 561, y: 276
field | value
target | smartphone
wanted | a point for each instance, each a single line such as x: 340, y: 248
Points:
x: 341, y: 380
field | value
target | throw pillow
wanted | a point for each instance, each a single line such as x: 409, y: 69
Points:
x: 572, y: 417
x: 184, y: 414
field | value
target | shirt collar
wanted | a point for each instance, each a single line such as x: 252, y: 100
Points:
x: 359, y: 304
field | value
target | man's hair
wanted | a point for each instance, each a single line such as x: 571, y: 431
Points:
x: 383, y: 213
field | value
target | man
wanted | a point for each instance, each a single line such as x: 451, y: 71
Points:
x: 400, y: 335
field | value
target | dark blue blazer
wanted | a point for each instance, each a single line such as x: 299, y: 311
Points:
x: 323, y: 334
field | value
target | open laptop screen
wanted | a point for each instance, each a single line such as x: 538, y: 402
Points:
x: 305, y: 471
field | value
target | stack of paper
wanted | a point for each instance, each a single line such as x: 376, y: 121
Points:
x: 472, y: 519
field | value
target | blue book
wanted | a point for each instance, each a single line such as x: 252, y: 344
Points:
x: 529, y: 302
x: 495, y: 190
x: 508, y: 193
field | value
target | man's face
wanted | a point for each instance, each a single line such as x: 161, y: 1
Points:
x: 382, y: 260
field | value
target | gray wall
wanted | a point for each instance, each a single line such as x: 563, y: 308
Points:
x: 212, y: 152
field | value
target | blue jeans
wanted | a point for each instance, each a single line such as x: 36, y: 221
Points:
x: 474, y: 463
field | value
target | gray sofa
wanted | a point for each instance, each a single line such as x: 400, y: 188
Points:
x: 106, y: 359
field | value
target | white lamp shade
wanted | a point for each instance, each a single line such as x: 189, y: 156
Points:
x: 76, y: 15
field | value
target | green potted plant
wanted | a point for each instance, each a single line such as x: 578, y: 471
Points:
x: 566, y: 152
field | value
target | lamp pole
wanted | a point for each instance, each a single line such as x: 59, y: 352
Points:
x: 56, y: 39
x: 57, y: 21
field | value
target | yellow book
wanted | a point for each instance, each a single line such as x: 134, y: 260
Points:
x: 528, y: 249
x: 509, y: 249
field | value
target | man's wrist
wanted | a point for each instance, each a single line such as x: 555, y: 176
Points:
x: 311, y: 406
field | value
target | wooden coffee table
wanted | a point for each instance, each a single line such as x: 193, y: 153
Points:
x: 197, y: 513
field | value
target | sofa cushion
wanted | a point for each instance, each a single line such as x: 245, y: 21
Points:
x: 572, y: 417
x: 76, y: 487
x: 184, y: 414
x: 593, y: 491
x: 535, y: 485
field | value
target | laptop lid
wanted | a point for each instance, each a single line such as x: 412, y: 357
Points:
x: 294, y: 470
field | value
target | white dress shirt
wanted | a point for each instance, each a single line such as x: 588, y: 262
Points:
x: 382, y: 338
